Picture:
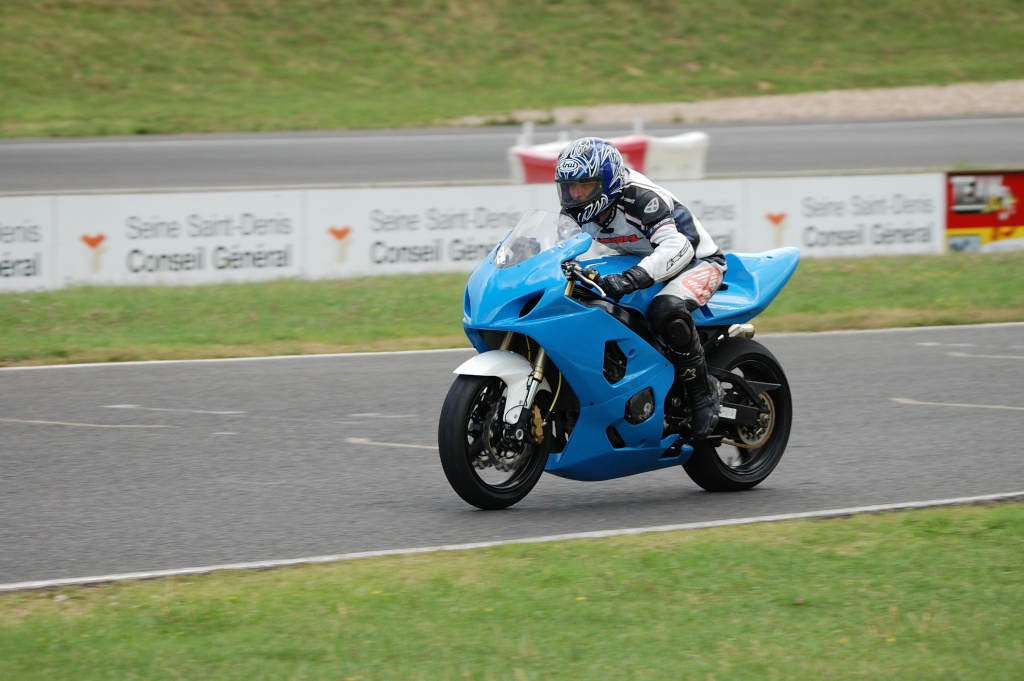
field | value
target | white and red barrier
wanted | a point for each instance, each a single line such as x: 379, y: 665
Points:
x: 678, y: 157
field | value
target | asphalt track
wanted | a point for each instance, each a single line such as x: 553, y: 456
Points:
x: 224, y: 462
x: 111, y: 469
x: 203, y: 162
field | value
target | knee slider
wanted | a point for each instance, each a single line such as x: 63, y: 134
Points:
x: 671, y: 320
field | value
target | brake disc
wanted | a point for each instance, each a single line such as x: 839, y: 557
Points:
x: 495, y: 451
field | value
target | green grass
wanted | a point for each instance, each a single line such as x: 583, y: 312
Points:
x: 105, y: 67
x: 407, y: 313
x: 284, y: 317
x: 931, y: 594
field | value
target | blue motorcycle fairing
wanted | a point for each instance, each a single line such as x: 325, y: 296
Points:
x: 529, y: 298
x: 494, y: 294
x: 531, y: 301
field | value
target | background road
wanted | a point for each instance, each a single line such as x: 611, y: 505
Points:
x: 479, y: 154
x: 228, y: 461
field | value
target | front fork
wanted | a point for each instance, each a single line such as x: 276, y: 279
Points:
x: 523, y: 421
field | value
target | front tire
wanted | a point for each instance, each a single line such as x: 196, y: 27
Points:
x: 755, y: 452
x: 480, y: 467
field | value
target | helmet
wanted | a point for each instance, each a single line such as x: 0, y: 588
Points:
x: 590, y: 176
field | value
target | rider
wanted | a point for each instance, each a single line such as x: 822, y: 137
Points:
x: 625, y: 211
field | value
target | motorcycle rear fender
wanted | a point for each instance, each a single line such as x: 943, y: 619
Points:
x: 510, y: 367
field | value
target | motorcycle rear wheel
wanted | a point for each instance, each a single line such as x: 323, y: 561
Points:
x: 727, y: 468
x: 479, y: 466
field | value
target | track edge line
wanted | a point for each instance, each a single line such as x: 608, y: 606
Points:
x: 599, y: 534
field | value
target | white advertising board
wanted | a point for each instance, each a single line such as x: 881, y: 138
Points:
x: 27, y: 259
x: 196, y: 238
x: 719, y: 206
x: 848, y: 216
x: 360, y: 232
x: 179, y: 238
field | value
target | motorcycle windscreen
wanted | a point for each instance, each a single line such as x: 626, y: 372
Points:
x: 537, y: 231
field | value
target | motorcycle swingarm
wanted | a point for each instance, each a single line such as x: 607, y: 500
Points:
x: 752, y: 389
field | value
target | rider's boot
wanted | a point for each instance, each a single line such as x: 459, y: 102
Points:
x: 703, y: 392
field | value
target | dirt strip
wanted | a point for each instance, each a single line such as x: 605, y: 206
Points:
x: 971, y: 99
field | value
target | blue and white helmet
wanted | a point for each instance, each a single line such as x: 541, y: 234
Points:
x: 590, y: 176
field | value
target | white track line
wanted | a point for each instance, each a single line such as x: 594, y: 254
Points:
x: 335, y: 355
x: 368, y: 441
x: 907, y: 400
x: 76, y: 425
x: 601, y: 534
x: 894, y: 329
x: 185, y: 411
x: 970, y: 356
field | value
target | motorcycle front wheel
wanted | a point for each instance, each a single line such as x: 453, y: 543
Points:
x: 481, y: 467
x: 748, y: 454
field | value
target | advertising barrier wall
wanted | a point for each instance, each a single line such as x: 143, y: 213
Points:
x: 853, y: 216
x: 27, y: 244
x: 360, y: 232
x: 179, y: 238
x: 196, y: 238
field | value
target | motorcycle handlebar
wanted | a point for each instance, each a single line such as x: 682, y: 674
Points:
x: 587, y: 275
x: 577, y: 271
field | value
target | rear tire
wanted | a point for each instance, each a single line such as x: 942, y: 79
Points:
x: 727, y: 468
x: 479, y: 467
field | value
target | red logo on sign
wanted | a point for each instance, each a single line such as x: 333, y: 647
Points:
x: 95, y: 252
x: 93, y: 241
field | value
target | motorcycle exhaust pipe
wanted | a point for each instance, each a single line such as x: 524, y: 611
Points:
x: 741, y: 330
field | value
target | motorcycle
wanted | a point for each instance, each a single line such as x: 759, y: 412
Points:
x: 570, y: 382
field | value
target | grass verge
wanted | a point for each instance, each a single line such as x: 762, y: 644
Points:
x: 410, y: 313
x: 117, y: 67
x: 930, y: 594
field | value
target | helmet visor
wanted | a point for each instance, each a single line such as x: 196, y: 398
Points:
x: 576, y: 193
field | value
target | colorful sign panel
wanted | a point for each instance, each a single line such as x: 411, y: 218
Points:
x: 984, y: 212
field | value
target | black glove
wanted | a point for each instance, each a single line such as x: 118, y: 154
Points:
x: 619, y: 285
